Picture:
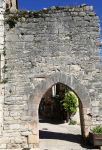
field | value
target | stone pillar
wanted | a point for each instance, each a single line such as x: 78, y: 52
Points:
x: 2, y: 78
x: 87, y: 121
x: 2, y: 63
x: 14, y: 6
x: 33, y: 127
x: 11, y: 5
x: 33, y: 139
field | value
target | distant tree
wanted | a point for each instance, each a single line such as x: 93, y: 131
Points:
x: 69, y: 103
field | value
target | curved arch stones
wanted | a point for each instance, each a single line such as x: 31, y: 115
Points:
x: 68, y: 80
x: 71, y: 82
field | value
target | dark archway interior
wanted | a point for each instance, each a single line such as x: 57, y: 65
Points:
x: 51, y: 108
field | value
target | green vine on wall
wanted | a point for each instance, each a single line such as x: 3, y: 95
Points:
x: 13, y: 18
x: 12, y: 21
x: 4, y: 81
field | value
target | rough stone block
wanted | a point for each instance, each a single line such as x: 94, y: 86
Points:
x: 3, y: 146
x: 14, y: 126
x: 32, y: 139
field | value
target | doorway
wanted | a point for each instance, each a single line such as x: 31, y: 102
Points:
x: 56, y: 125
x: 38, y: 95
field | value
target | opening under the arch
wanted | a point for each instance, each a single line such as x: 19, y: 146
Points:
x: 53, y: 105
x: 56, y: 124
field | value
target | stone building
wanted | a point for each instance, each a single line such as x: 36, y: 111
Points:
x: 38, y: 50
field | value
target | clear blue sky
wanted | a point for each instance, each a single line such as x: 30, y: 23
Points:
x: 40, y: 4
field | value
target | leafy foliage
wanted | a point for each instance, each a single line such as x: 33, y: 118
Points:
x: 70, y: 102
x: 67, y: 102
x: 72, y: 122
x: 97, y: 129
x: 12, y: 21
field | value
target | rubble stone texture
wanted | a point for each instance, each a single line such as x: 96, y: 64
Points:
x: 37, y: 51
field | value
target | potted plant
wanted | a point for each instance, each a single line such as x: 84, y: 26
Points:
x: 95, y: 136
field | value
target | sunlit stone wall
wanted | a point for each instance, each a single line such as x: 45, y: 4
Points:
x: 35, y: 46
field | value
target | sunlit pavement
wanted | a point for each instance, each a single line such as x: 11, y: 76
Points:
x: 61, y: 137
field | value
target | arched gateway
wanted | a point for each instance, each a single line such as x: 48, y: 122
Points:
x: 74, y: 84
x: 38, y: 50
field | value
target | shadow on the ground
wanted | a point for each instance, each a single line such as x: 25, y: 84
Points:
x: 51, y: 121
x: 66, y: 137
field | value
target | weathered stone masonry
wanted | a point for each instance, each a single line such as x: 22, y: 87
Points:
x: 41, y: 49
x: 2, y: 61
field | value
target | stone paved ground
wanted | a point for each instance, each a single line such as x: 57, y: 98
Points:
x: 61, y: 137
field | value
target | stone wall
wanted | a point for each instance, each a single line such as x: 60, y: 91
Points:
x: 38, y: 45
x: 2, y: 62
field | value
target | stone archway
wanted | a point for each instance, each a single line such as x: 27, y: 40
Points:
x: 40, y: 90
